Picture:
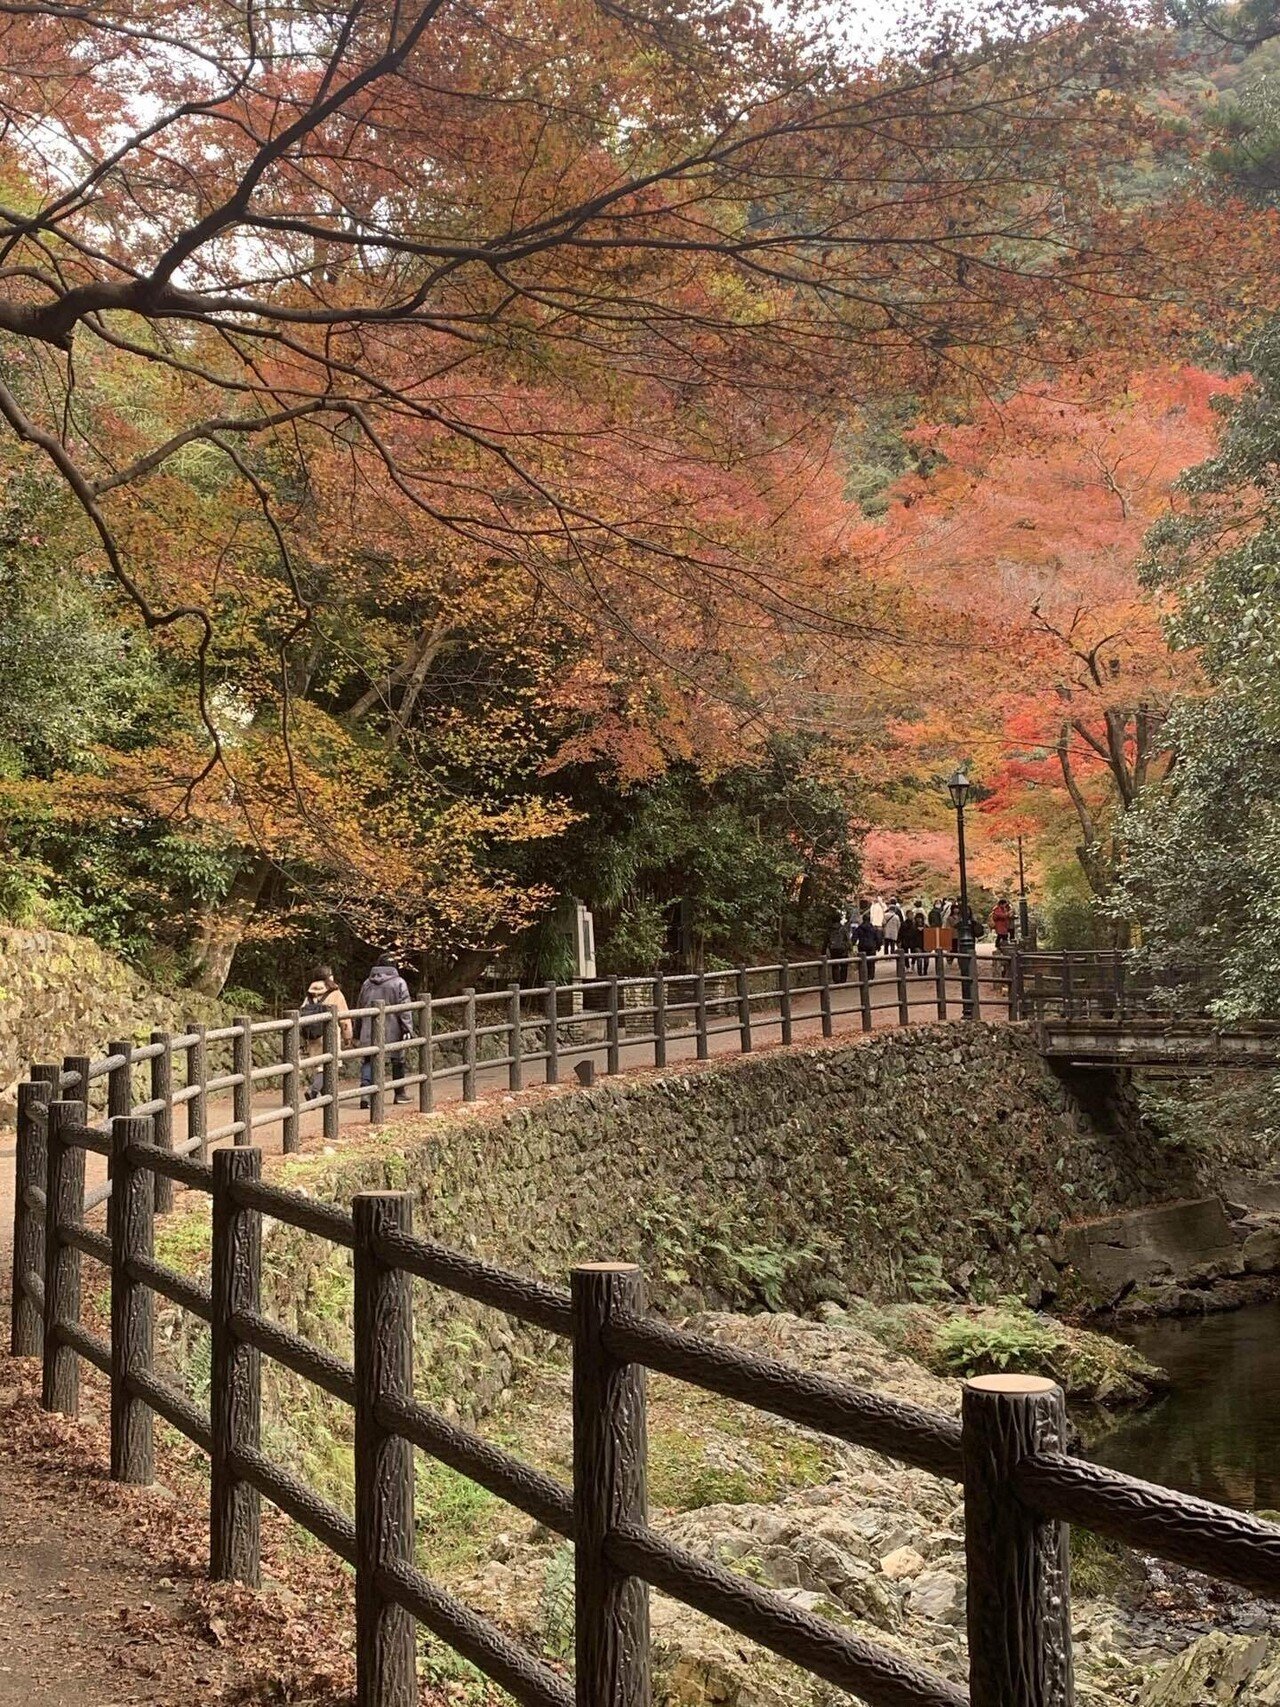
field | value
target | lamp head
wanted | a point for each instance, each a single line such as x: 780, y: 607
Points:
x: 958, y: 788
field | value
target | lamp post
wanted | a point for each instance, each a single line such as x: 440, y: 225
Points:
x: 958, y: 788
x: 1024, y: 917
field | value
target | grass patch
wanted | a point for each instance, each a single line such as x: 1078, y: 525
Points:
x: 1006, y: 1337
x: 456, y: 1517
x: 1090, y: 1367
x: 184, y: 1238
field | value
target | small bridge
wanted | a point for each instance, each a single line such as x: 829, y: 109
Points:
x: 1096, y: 1010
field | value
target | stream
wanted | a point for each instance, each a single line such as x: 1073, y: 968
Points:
x: 1217, y: 1433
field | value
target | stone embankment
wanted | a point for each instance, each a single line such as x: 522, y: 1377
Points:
x: 61, y: 994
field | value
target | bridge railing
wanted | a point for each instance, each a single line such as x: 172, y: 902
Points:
x: 1020, y: 1485
x: 1108, y: 985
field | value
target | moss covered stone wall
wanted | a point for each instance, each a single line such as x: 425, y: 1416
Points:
x: 874, y: 1168
x: 930, y: 1163
x: 64, y: 995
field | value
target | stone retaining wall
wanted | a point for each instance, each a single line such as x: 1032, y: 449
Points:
x: 937, y: 1162
x: 60, y: 995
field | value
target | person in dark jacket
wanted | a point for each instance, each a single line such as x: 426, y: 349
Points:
x: 838, y: 949
x: 911, y: 940
x: 385, y: 986
x: 922, y: 955
x: 866, y: 940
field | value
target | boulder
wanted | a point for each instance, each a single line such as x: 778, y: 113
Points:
x: 1219, y: 1670
x: 938, y: 1595
x: 902, y: 1562
x: 1261, y: 1250
x: 1189, y: 1240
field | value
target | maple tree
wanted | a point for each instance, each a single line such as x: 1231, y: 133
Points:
x: 354, y: 329
x: 1049, y: 662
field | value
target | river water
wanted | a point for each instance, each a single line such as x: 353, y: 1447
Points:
x: 1217, y: 1433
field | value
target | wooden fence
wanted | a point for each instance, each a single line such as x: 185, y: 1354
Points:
x: 295, y: 1065
x: 1021, y: 1487
x: 214, y: 1080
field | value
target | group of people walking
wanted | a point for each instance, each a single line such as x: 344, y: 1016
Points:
x: 383, y: 986
x: 872, y: 928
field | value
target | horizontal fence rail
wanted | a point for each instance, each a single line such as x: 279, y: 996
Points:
x: 1007, y: 1450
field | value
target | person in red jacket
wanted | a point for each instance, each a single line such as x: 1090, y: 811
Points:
x: 1002, y: 922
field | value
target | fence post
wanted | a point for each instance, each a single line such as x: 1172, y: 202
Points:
x: 744, y: 1011
x: 613, y: 1062
x: 26, y: 1332
x: 784, y: 1000
x: 291, y: 1085
x: 427, y: 1084
x: 940, y: 982
x: 119, y: 1093
x: 1068, y: 987
x: 1019, y: 1604
x: 197, y: 1074
x: 119, y: 1081
x: 385, y: 1670
x: 376, y: 1099
x: 553, y: 1033
x: 132, y: 1305
x: 162, y: 1119
x: 824, y: 994
x: 242, y: 1092
x: 330, y: 1074
x: 235, y: 1397
x: 1015, y: 984
x: 703, y: 1041
x: 864, y: 991
x: 515, y: 1068
x: 469, y: 1046
x: 974, y: 1006
x: 64, y: 1206
x: 659, y: 1021
x: 904, y: 1000
x: 609, y: 1452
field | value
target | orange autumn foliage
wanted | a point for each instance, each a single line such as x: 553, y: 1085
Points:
x: 1046, y: 659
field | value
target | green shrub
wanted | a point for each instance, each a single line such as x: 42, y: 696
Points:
x: 1090, y: 1367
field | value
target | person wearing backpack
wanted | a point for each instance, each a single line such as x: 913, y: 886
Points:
x: 384, y: 986
x: 323, y: 998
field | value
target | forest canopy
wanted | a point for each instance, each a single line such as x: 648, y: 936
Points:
x: 458, y: 458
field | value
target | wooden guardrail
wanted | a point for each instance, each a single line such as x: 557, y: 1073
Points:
x: 1020, y: 1485
x: 1107, y: 984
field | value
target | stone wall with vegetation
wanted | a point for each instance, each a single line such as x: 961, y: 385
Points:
x: 933, y: 1164
x: 63, y: 995
x: 916, y: 1163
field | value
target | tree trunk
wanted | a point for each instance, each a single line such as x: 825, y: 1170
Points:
x: 223, y: 926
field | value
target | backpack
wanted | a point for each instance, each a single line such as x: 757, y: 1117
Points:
x: 312, y: 1014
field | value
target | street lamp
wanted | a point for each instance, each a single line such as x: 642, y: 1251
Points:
x: 958, y: 786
